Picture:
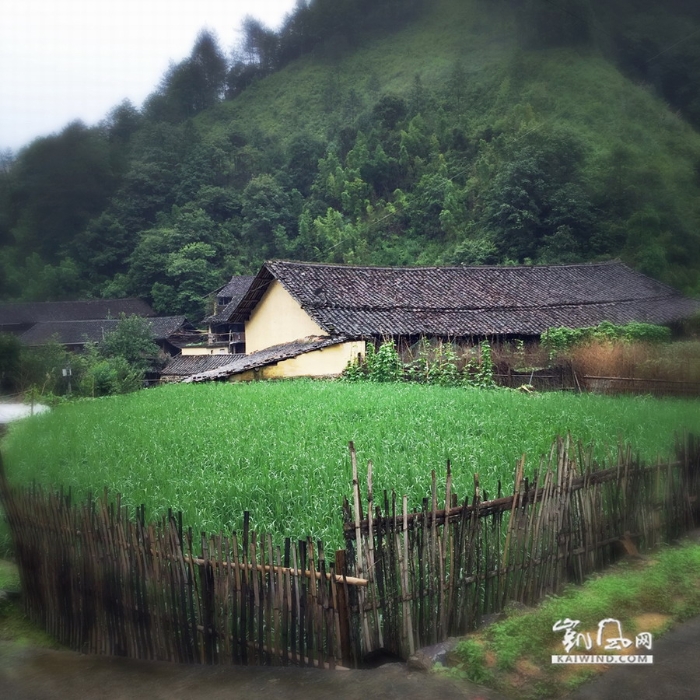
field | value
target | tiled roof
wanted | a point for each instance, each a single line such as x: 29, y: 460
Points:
x: 463, y: 301
x: 166, y: 326
x: 47, y: 311
x: 185, y: 365
x: 235, y: 288
x: 80, y: 332
x: 268, y: 356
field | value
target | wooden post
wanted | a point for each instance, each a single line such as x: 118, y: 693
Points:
x: 343, y: 610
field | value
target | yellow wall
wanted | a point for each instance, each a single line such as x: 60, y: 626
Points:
x: 204, y: 350
x: 319, y: 363
x: 277, y: 319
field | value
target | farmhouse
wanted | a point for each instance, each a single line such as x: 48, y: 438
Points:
x: 169, y: 333
x: 310, y: 319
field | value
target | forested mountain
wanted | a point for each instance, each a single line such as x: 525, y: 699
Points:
x: 394, y: 132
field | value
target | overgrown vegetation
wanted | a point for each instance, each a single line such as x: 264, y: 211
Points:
x: 279, y: 449
x: 427, y: 363
x: 639, y: 350
x: 15, y: 628
x: 450, y: 132
x: 116, y: 365
x: 561, y: 338
x: 649, y: 595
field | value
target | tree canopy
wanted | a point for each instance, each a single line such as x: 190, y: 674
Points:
x: 522, y: 136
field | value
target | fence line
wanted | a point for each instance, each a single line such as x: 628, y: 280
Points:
x: 103, y: 580
x: 638, y: 385
x: 563, y: 378
x: 436, y: 571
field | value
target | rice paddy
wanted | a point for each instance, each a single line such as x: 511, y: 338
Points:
x: 279, y: 449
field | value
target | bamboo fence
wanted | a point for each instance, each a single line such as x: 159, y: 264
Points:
x: 437, y: 571
x: 103, y: 580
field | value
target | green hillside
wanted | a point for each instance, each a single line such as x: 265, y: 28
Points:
x: 459, y: 132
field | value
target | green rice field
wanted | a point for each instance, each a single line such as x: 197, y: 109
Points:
x: 279, y: 449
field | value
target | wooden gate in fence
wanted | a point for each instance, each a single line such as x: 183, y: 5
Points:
x: 103, y: 580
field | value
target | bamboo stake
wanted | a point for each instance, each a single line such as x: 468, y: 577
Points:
x: 406, y: 591
x: 359, y: 567
x: 511, y: 519
x: 371, y: 565
x: 448, y: 556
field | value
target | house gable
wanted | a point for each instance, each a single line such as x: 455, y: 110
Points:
x: 276, y: 319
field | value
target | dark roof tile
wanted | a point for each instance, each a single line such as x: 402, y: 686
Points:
x: 236, y: 289
x: 81, y: 332
x: 185, y: 365
x: 268, y: 356
x: 93, y: 309
x: 462, y: 301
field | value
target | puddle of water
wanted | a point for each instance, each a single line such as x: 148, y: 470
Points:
x: 14, y: 411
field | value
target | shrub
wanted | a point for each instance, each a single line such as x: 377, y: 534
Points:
x: 561, y: 339
x: 112, y: 375
x: 438, y: 365
x: 384, y: 365
x: 472, y: 660
x: 10, y: 349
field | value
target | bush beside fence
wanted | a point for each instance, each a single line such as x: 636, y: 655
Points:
x: 103, y: 580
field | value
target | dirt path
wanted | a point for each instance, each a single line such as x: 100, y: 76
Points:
x: 37, y: 674
x: 674, y: 675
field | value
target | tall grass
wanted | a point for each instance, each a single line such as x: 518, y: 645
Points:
x: 280, y: 449
x: 669, y: 361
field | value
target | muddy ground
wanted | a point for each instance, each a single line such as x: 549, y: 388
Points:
x: 42, y: 674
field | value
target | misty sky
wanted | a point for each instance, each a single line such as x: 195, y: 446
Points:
x: 62, y: 60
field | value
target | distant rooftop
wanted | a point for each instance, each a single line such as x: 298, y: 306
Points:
x: 234, y: 290
x: 92, y: 309
x: 81, y: 332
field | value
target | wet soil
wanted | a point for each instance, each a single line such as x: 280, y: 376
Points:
x: 42, y: 674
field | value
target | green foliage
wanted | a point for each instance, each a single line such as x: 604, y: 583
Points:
x: 132, y: 340
x: 439, y: 365
x: 105, y: 376
x: 116, y: 366
x: 667, y: 584
x: 10, y: 350
x: 483, y: 133
x: 383, y: 365
x: 561, y: 338
x: 42, y: 368
x: 472, y: 659
x: 480, y: 370
x: 537, y: 206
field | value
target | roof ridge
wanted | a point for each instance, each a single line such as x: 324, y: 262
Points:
x: 343, y: 266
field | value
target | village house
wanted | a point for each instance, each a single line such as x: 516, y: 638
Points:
x: 311, y: 319
x: 75, y: 323
x: 223, y: 336
x: 17, y: 318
